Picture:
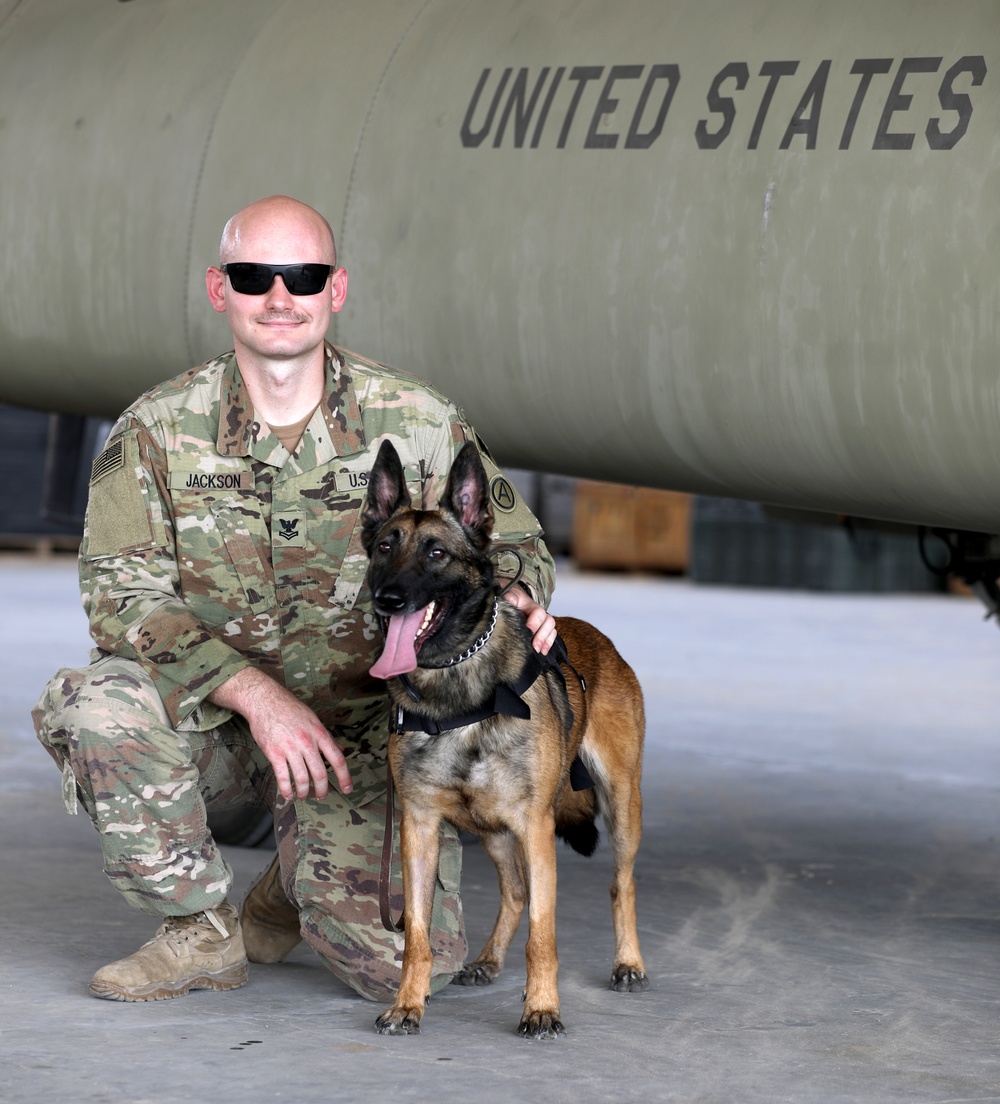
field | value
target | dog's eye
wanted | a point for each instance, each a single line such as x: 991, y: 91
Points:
x: 437, y: 553
x: 384, y: 547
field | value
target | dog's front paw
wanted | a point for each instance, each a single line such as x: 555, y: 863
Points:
x: 541, y: 1025
x: 476, y: 973
x: 628, y: 979
x: 399, y: 1021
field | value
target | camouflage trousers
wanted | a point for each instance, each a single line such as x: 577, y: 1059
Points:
x: 148, y: 789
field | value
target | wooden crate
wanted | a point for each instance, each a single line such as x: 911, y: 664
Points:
x: 631, y: 528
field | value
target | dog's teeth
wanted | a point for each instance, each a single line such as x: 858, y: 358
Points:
x: 428, y: 616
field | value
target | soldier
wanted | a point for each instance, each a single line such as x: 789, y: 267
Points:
x: 224, y: 578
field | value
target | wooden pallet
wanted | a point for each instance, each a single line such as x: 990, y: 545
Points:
x: 630, y: 528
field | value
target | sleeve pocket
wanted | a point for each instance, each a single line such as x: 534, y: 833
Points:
x: 118, y: 511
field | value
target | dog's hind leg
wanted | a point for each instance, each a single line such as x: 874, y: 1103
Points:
x: 420, y: 846
x: 502, y: 848
x: 621, y: 808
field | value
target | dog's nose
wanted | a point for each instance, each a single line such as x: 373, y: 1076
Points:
x: 390, y: 599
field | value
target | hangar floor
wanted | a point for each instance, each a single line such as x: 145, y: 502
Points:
x: 819, y: 893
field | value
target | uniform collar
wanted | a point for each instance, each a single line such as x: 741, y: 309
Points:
x: 336, y: 428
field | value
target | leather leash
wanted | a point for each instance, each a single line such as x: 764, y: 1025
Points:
x: 385, y: 866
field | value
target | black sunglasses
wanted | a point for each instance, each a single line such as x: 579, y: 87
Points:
x: 249, y: 278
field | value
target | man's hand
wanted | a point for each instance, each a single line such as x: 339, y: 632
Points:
x: 540, y: 622
x: 288, y: 732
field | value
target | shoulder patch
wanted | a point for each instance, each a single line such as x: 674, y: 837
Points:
x: 502, y: 494
x: 518, y: 520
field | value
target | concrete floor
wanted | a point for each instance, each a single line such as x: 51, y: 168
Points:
x: 819, y: 892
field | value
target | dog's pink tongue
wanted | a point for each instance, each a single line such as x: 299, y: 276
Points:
x: 399, y: 656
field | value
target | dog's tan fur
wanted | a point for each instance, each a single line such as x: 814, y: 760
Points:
x: 506, y: 779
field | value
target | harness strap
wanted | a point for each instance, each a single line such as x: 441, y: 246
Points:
x: 506, y: 701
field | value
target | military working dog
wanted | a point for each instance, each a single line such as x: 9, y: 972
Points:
x: 494, y: 738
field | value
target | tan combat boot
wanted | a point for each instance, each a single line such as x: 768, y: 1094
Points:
x: 203, y: 951
x: 270, y: 920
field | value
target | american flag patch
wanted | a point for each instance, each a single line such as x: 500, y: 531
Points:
x: 111, y: 459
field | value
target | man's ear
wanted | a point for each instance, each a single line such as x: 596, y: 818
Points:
x: 338, y: 289
x: 467, y: 495
x: 387, y: 493
x: 215, y: 285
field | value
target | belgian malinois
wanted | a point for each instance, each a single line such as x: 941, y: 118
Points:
x: 479, y: 748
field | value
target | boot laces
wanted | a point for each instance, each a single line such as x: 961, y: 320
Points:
x: 213, y: 918
x: 182, y: 925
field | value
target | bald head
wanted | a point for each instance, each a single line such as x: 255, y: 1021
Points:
x: 271, y: 222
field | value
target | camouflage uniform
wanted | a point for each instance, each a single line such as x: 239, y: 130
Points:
x: 209, y: 548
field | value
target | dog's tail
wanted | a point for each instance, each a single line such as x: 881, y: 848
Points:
x: 583, y: 836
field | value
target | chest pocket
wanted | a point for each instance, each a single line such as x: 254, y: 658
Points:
x: 243, y: 555
x: 222, y: 577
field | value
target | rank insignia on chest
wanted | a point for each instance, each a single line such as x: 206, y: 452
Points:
x: 289, y: 530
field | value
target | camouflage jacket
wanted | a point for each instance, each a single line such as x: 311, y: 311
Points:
x: 208, y: 547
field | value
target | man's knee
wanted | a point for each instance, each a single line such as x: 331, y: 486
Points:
x: 369, y: 959
x: 371, y: 967
x: 105, y: 725
x: 86, y: 703
x: 335, y: 852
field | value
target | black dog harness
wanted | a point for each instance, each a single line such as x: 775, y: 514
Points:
x: 507, y: 701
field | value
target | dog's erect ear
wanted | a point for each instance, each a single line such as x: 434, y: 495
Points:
x: 387, y: 493
x: 467, y: 494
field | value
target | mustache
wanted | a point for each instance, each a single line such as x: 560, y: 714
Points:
x: 280, y: 316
